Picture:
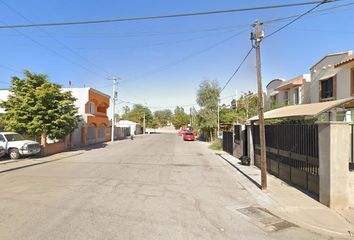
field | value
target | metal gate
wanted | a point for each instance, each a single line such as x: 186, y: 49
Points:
x: 91, y: 134
x: 77, y: 137
x: 240, y: 140
x: 228, y: 142
x: 292, y: 154
x: 101, y: 133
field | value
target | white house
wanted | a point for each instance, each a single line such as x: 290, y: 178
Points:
x: 273, y: 95
x: 135, y: 128
x: 290, y: 92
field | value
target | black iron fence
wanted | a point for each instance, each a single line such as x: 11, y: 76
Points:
x: 351, y: 162
x: 292, y: 153
x: 228, y: 142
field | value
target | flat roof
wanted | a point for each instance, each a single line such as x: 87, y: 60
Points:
x: 303, y: 110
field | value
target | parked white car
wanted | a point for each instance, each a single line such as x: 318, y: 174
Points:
x: 16, y: 145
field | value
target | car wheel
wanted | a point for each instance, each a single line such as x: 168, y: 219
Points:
x: 14, y: 153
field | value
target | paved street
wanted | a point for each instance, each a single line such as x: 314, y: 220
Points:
x: 155, y: 187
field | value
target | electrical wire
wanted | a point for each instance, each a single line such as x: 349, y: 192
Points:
x: 172, y: 64
x: 271, y: 34
x: 165, y: 16
x: 237, y: 69
x: 57, y: 53
x: 313, y: 12
x: 55, y: 39
x: 294, y: 20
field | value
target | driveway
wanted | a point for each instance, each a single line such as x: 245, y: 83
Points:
x: 154, y: 187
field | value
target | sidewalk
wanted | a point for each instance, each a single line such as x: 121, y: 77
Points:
x: 292, y: 205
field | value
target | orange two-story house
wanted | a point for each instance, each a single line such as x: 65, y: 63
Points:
x: 92, y: 108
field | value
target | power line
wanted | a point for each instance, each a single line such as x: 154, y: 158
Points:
x: 171, y: 64
x: 165, y: 16
x: 56, y: 53
x: 313, y: 12
x: 55, y: 39
x: 237, y: 69
x: 294, y: 20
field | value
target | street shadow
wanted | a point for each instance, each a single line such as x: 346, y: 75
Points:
x: 240, y: 171
x: 93, y: 146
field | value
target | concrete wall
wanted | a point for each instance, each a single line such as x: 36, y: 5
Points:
x: 250, y: 148
x: 334, y: 156
x: 351, y: 188
x: 53, y: 148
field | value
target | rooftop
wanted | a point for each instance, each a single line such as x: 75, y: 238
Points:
x: 304, y: 110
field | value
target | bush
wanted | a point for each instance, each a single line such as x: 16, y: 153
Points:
x: 216, y: 145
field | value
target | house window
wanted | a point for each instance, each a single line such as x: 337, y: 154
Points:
x: 92, y: 108
x: 296, y: 96
x: 286, y: 97
x: 327, y: 88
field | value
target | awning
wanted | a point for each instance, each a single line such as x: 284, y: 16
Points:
x: 304, y: 110
x: 274, y: 93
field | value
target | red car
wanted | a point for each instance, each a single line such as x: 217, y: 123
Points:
x: 188, y: 136
x: 181, y: 132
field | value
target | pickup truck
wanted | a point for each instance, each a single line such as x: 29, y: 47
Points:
x: 16, y: 146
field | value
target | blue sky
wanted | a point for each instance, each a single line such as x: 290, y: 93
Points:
x: 162, y: 62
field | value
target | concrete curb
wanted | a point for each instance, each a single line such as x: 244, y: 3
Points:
x: 276, y: 207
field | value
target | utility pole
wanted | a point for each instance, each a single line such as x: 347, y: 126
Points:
x: 114, y: 98
x: 257, y: 37
x: 144, y: 127
x: 144, y: 120
x: 190, y: 118
x: 218, y: 118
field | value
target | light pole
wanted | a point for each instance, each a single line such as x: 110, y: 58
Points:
x: 114, y: 98
x: 218, y: 118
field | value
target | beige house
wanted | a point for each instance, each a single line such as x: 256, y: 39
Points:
x: 290, y: 92
x: 331, y: 77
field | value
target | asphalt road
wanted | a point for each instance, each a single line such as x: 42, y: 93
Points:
x: 154, y: 187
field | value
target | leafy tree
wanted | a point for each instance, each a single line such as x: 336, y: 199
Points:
x: 180, y: 118
x: 126, y: 109
x: 37, y: 107
x: 228, y: 116
x: 163, y: 117
x: 247, y: 106
x: 136, y: 114
x: 208, y: 99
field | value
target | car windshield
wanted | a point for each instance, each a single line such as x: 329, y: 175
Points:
x: 13, y: 137
x: 188, y: 133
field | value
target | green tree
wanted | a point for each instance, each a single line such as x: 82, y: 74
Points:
x: 163, y: 117
x: 136, y: 114
x: 37, y: 107
x: 228, y: 116
x: 247, y: 106
x: 180, y: 118
x: 208, y: 99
